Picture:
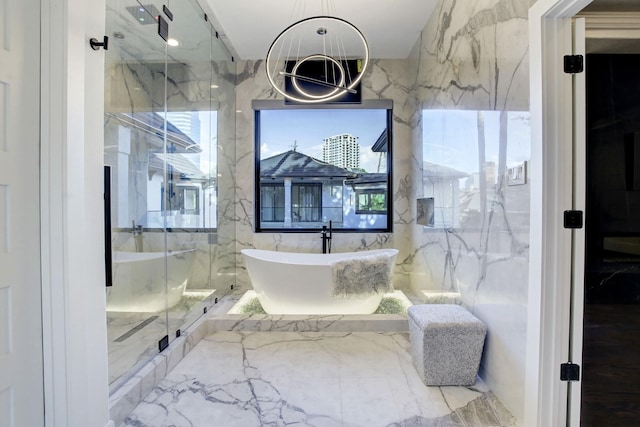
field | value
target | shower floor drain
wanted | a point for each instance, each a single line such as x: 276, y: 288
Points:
x: 135, y: 329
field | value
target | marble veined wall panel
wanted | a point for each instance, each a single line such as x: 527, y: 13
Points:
x: 474, y: 56
x: 385, y: 79
x: 200, y: 86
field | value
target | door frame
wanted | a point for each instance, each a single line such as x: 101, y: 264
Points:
x: 550, y: 262
x: 556, y: 169
x: 76, y: 389
x: 593, y: 25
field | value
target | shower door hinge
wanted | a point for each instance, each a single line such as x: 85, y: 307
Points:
x: 167, y: 12
x: 163, y: 343
x: 573, y: 219
x: 569, y: 372
x: 163, y: 28
x: 573, y: 64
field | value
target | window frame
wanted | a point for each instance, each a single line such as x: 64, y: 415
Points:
x: 275, y: 186
x: 369, y: 193
x: 306, y: 185
x: 369, y: 104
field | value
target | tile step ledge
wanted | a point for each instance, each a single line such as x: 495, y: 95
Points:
x: 308, y: 323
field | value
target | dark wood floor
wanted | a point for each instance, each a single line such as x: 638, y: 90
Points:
x: 611, y: 366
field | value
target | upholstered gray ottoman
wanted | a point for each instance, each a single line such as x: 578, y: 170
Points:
x: 446, y: 343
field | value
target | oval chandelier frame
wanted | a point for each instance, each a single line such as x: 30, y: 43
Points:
x: 337, y: 89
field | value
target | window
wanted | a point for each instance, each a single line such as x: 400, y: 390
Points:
x: 371, y: 201
x: 272, y: 203
x: 316, y: 164
x: 190, y: 200
x: 306, y: 202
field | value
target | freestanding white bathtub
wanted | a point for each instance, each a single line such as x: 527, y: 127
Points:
x: 302, y: 283
x: 139, y: 282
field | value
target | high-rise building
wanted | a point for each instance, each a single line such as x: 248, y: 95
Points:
x: 341, y: 150
x: 188, y: 122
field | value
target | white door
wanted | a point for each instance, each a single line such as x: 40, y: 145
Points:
x: 21, y: 376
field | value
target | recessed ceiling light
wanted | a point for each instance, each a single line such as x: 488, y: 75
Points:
x: 214, y: 86
x: 144, y: 14
x: 173, y: 42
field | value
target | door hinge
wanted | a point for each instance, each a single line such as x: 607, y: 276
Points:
x: 573, y: 219
x: 573, y: 64
x: 569, y: 372
x: 163, y: 343
x: 163, y: 28
x: 167, y: 12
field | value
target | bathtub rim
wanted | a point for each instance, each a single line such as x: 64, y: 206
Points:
x: 132, y: 256
x: 303, y: 258
x: 286, y: 298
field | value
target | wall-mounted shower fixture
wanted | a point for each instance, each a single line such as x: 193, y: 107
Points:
x: 326, y: 235
x: 137, y: 236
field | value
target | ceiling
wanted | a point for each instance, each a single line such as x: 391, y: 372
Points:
x: 613, y: 6
x: 248, y: 27
x: 613, y: 36
x: 391, y: 28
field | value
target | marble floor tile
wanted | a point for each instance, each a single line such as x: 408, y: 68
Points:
x: 368, y: 402
x: 133, y: 337
x: 309, y: 379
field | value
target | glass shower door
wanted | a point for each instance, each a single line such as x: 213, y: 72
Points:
x: 200, y: 161
x: 189, y: 198
x: 134, y: 130
x: 170, y: 144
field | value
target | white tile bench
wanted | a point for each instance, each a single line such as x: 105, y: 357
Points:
x: 446, y: 343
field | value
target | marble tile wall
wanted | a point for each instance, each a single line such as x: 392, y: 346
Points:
x: 386, y: 79
x: 474, y: 56
x: 215, y: 262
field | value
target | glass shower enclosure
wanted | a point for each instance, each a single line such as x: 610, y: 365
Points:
x: 169, y: 130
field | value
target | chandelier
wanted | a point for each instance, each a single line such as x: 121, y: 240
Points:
x: 317, y: 59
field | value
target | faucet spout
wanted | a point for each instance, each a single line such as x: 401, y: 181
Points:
x: 137, y: 236
x: 326, y: 235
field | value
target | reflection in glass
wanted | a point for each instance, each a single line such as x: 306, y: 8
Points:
x: 187, y: 198
x: 621, y: 248
x: 470, y: 159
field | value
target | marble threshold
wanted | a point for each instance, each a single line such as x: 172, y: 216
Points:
x: 255, y: 370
